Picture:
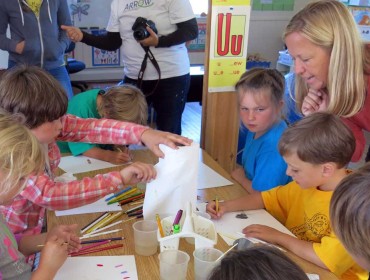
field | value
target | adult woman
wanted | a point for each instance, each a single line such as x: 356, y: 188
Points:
x: 128, y: 27
x: 332, y: 65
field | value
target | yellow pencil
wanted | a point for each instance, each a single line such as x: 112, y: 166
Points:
x: 99, y: 224
x: 159, y: 225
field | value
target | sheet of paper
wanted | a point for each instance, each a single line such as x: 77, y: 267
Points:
x: 98, y: 268
x: 176, y: 182
x: 81, y: 164
x: 95, y: 207
x: 208, y: 178
x: 229, y: 227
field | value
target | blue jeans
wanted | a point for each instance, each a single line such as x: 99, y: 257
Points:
x: 60, y: 74
x: 168, y: 100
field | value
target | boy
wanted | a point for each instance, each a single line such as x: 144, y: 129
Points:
x: 123, y: 103
x: 350, y: 214
x: 39, y: 97
x: 316, y: 150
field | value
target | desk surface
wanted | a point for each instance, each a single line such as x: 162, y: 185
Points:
x: 148, y: 267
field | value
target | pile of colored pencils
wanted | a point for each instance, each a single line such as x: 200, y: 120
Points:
x: 128, y: 195
x: 97, y: 243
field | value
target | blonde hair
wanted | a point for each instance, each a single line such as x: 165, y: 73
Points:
x: 350, y: 212
x: 20, y: 154
x: 319, y: 138
x: 330, y: 25
x: 124, y: 103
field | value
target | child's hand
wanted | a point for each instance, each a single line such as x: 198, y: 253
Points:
x: 315, y: 101
x: 53, y: 255
x: 152, y: 138
x: 211, y: 209
x: 68, y: 234
x: 118, y: 157
x: 138, y: 172
x: 74, y: 33
x: 264, y: 233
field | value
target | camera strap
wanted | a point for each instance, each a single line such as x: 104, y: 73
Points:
x: 148, y: 54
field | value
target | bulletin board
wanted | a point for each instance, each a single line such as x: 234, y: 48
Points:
x: 273, y: 5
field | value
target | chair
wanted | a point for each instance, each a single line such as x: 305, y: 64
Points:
x: 74, y: 66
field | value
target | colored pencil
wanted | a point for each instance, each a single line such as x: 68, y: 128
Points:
x: 100, y: 240
x: 140, y: 212
x: 134, y: 209
x: 94, y: 222
x: 104, y: 228
x: 43, y: 245
x: 94, y: 245
x: 96, y: 250
x: 100, y: 233
x: 118, y: 193
x: 128, y: 200
x: 100, y: 223
x: 105, y: 222
x: 122, y: 196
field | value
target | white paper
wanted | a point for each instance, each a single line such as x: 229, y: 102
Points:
x: 208, y: 178
x: 98, y: 268
x: 176, y: 182
x: 81, y: 164
x: 229, y: 227
x: 95, y: 207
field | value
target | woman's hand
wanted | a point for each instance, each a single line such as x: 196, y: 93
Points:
x: 315, y: 101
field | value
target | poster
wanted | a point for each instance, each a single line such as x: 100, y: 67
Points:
x: 362, y: 18
x: 199, y: 43
x: 103, y: 57
x: 229, y: 40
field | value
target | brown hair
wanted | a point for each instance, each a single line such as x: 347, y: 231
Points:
x: 261, y: 78
x: 124, y: 103
x: 319, y: 138
x: 257, y: 263
x: 34, y: 93
x: 330, y: 25
x: 350, y: 212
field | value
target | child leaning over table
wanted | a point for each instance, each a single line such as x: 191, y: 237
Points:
x: 20, y: 155
x: 349, y: 214
x: 317, y: 150
x: 260, y: 99
x: 123, y: 103
x: 39, y: 97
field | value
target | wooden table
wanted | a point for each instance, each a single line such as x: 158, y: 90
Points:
x: 148, y: 267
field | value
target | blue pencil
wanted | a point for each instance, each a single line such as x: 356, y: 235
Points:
x: 101, y: 240
x: 119, y: 193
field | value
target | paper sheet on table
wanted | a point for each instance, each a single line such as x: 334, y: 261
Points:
x: 176, y: 182
x: 208, y: 178
x: 95, y: 207
x: 81, y: 164
x: 98, y: 268
x: 229, y: 227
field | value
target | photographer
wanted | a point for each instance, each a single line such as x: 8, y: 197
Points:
x: 166, y: 88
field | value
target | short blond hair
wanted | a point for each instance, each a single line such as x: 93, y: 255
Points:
x: 20, y: 154
x: 319, y: 138
x: 330, y: 25
x: 350, y: 212
x: 124, y: 103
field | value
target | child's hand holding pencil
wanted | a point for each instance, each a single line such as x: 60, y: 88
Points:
x: 66, y: 233
x: 216, y: 209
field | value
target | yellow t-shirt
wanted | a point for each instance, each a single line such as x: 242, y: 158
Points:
x: 35, y: 6
x: 305, y: 212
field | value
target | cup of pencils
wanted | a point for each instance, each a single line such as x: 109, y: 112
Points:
x: 145, y: 237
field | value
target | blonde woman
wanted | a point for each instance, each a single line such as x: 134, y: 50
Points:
x: 331, y: 64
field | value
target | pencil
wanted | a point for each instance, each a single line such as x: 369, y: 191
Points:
x: 103, y: 228
x: 88, y: 247
x: 159, y: 225
x: 118, y: 193
x: 43, y: 245
x: 99, y: 223
x: 100, y: 240
x: 134, y: 209
x: 100, y: 233
x: 94, y: 222
x: 96, y: 250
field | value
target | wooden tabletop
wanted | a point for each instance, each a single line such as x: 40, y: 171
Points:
x: 148, y: 267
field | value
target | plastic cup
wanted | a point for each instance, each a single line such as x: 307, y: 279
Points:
x: 205, y: 261
x: 173, y: 264
x: 145, y: 237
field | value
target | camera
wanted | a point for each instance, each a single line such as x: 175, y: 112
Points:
x: 139, y: 28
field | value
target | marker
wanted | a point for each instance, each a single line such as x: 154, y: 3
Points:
x: 159, y: 225
x: 176, y: 229
x: 177, y: 218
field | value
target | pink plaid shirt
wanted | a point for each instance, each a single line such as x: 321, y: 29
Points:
x: 26, y: 213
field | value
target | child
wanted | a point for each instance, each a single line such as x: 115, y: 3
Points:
x: 316, y: 149
x: 122, y: 103
x: 39, y: 97
x: 20, y: 155
x: 349, y: 214
x: 257, y: 263
x: 260, y: 95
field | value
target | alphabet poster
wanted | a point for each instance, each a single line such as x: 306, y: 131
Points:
x: 229, y: 39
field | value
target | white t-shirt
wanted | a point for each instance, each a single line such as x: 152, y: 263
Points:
x: 173, y: 61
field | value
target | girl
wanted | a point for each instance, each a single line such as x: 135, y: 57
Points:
x: 260, y: 95
x: 20, y: 155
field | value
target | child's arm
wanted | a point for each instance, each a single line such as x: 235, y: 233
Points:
x: 239, y: 175
x: 301, y: 248
x: 30, y: 244
x: 248, y: 202
x: 114, y: 157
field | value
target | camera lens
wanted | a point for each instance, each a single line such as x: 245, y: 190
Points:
x: 141, y: 34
